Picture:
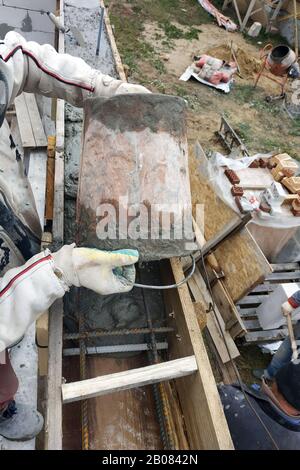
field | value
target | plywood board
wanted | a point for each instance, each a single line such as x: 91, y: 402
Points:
x: 125, y: 420
x: 240, y: 258
x: 255, y: 178
x: 200, y: 402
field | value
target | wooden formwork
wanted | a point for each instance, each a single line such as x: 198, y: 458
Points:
x: 203, y: 415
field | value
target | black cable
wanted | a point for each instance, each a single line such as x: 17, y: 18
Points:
x: 232, y: 361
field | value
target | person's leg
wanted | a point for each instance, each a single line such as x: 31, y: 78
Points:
x: 8, y: 383
x: 281, y: 358
x: 18, y: 421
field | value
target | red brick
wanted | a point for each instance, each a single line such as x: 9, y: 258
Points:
x: 237, y: 191
x: 232, y: 176
x: 254, y: 164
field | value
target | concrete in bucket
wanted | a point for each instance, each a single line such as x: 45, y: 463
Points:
x: 134, y: 189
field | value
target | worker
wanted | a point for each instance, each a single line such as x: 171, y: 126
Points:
x: 276, y: 405
x: 284, y: 354
x: 30, y: 280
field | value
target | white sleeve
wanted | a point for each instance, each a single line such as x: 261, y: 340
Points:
x: 25, y: 293
x: 41, y: 69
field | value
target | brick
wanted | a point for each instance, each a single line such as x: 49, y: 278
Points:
x: 270, y: 165
x: 232, y: 176
x: 254, y: 164
x: 265, y: 207
x: 237, y: 191
x: 263, y: 163
x: 292, y: 184
x: 295, y: 213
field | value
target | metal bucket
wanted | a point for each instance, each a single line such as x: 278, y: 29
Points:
x: 134, y: 188
x: 280, y: 59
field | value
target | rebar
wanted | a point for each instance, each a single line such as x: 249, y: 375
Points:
x: 102, y: 333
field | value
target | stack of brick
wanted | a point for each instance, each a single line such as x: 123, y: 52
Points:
x: 284, y: 166
x: 292, y: 184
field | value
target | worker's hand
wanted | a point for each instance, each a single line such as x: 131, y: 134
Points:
x: 286, y: 308
x: 105, y: 272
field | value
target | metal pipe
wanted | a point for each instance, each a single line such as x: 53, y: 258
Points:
x: 100, y: 30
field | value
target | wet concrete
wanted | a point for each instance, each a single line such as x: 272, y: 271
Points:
x: 33, y: 25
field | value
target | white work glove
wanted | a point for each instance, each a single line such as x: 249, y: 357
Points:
x: 286, y: 308
x: 105, y: 272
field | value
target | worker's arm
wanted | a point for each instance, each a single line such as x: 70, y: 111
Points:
x: 292, y: 303
x: 36, y: 68
x: 27, y: 291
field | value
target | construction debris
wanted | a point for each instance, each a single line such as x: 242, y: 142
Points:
x: 212, y: 72
x: 222, y: 20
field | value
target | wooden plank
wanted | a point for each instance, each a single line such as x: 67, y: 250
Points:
x: 50, y: 178
x: 240, y: 258
x: 248, y: 312
x: 264, y: 288
x: 112, y: 41
x: 53, y: 434
x: 248, y: 14
x: 37, y: 172
x: 112, y: 383
x: 252, y: 324
x: 27, y: 137
x: 279, y: 267
x: 35, y: 120
x: 200, y: 402
x: 252, y: 300
x: 202, y: 296
x: 224, y: 303
x: 58, y: 205
x: 265, y: 336
x: 228, y: 310
x: 284, y: 277
x: 125, y: 420
x: 53, y: 429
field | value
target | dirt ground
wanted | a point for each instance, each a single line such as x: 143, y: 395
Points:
x: 158, y: 39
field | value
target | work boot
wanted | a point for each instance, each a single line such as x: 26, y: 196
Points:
x: 20, y: 423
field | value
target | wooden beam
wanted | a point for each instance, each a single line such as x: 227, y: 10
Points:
x: 201, y: 295
x: 112, y: 383
x: 53, y: 434
x: 53, y: 430
x: 25, y: 128
x: 248, y: 14
x: 112, y: 42
x: 29, y: 121
x: 228, y: 310
x: 35, y: 120
x: 200, y: 402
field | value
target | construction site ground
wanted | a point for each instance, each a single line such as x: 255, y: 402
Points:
x: 157, y: 40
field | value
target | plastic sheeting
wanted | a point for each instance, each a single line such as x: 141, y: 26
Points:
x: 221, y: 19
x: 189, y: 73
x: 214, y: 171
